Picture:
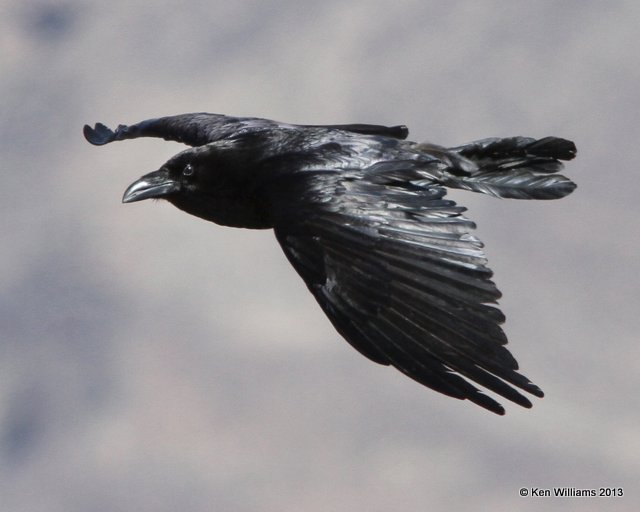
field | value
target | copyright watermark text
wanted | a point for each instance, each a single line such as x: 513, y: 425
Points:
x: 571, y: 492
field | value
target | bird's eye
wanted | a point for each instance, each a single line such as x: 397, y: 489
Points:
x: 188, y: 170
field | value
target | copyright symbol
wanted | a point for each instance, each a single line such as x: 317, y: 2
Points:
x: 524, y: 491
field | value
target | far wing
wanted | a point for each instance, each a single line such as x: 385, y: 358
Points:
x: 398, y: 274
x: 202, y: 128
x: 193, y: 129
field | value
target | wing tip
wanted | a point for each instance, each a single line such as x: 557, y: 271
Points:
x: 534, y: 390
x: 486, y: 402
x: 99, y: 135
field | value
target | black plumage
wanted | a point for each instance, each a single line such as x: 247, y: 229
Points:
x: 361, y: 214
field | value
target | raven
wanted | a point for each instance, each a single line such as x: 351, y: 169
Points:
x: 361, y: 214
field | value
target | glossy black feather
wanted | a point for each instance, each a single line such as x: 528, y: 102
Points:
x: 362, y: 216
x: 201, y: 128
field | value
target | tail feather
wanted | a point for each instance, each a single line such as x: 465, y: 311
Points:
x: 516, y: 167
x: 510, y: 147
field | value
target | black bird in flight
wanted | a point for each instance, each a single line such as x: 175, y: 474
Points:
x: 361, y: 214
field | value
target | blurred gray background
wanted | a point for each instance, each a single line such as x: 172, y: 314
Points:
x: 152, y: 361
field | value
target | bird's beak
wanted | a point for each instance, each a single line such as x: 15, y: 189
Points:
x: 156, y: 184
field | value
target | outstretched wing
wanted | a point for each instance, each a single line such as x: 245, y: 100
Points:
x: 394, y: 267
x: 193, y: 129
x: 202, y: 128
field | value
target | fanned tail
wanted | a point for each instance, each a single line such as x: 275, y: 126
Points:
x: 516, y: 167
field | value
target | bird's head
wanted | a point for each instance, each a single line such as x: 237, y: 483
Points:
x: 180, y: 176
x: 208, y: 182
